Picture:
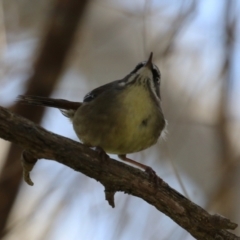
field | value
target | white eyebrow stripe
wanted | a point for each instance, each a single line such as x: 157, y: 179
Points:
x: 154, y: 67
x: 130, y: 79
x: 145, y: 72
x: 153, y: 89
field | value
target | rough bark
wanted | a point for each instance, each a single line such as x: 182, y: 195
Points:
x: 115, y: 176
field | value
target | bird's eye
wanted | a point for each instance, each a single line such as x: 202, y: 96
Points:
x: 156, y: 76
x: 157, y: 80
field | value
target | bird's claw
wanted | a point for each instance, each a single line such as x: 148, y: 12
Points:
x: 102, y: 154
x: 153, y: 176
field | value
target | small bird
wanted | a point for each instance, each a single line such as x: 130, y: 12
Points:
x: 120, y: 117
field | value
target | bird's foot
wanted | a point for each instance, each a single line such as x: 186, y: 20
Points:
x: 151, y: 173
x: 153, y: 176
x: 102, y: 154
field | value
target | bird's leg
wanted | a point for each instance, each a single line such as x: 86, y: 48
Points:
x: 147, y: 169
x: 124, y: 158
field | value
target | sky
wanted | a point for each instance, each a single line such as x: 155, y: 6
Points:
x: 87, y: 219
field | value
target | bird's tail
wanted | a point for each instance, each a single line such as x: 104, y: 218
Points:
x: 66, y: 107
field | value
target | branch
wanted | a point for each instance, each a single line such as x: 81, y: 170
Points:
x: 115, y: 176
x: 59, y: 33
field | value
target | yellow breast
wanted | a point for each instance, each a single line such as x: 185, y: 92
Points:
x: 141, y: 125
x: 121, y: 122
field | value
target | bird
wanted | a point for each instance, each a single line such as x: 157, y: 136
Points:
x: 121, y: 117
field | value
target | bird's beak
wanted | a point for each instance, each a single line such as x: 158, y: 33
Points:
x: 148, y: 64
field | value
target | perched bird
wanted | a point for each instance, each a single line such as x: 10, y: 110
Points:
x: 120, y: 117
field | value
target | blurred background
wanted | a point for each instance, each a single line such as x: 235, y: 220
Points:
x: 196, y: 46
